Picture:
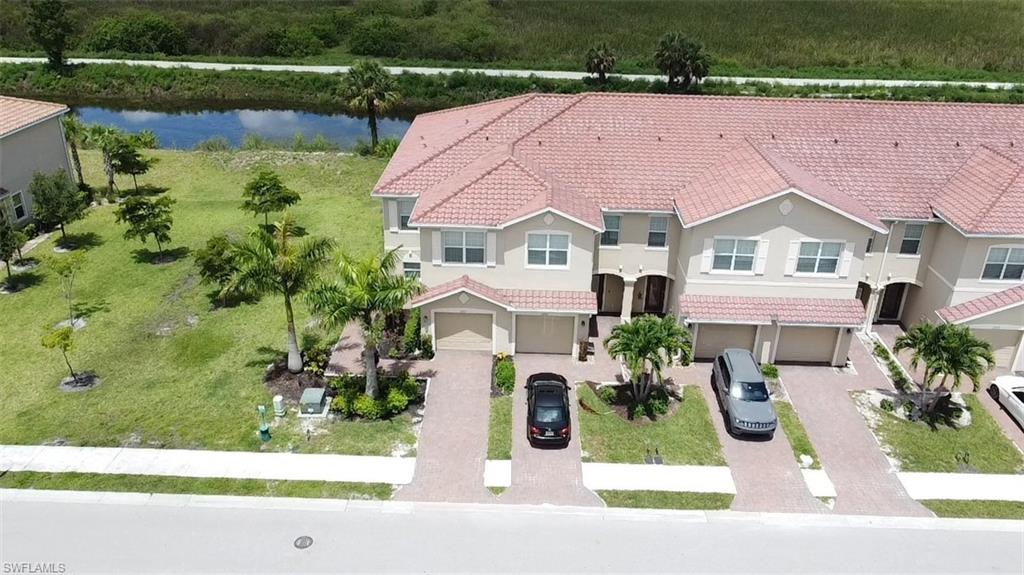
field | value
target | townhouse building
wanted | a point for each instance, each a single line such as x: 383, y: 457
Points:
x: 31, y: 140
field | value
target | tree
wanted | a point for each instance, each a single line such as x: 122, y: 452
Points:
x: 50, y: 26
x: 56, y: 200
x: 682, y: 60
x: 600, y: 61
x: 62, y: 339
x: 8, y: 241
x: 217, y: 264
x: 276, y: 263
x: 647, y: 345
x: 107, y: 139
x: 67, y: 268
x: 74, y: 131
x: 371, y: 90
x: 126, y: 159
x: 947, y: 350
x: 367, y: 291
x: 146, y: 217
x: 266, y: 193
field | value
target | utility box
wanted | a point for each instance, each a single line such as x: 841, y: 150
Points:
x: 312, y: 401
x: 279, y: 410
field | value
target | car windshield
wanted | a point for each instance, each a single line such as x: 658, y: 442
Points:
x: 548, y: 414
x: 749, y: 391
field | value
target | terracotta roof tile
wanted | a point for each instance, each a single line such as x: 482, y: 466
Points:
x: 765, y: 310
x: 983, y: 305
x: 514, y: 299
x: 16, y: 113
x: 985, y: 196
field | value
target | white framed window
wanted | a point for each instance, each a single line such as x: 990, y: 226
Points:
x: 911, y: 244
x: 18, y: 206
x: 657, y: 232
x: 610, y: 235
x: 1004, y: 263
x: 411, y: 269
x: 463, y: 247
x: 404, y: 211
x: 870, y: 247
x: 819, y: 257
x: 547, y: 249
x: 732, y: 254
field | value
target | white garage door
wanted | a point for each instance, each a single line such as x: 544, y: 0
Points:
x: 470, y: 331
x: 1004, y: 344
x: 544, y: 334
x: 807, y: 344
x: 712, y: 338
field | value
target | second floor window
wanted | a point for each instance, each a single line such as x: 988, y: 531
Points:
x: 610, y: 236
x: 912, y: 234
x: 464, y: 247
x: 18, y: 205
x: 547, y: 249
x: 734, y: 255
x: 411, y: 269
x: 870, y: 247
x: 1004, y: 264
x: 657, y: 233
x: 404, y: 211
x: 819, y: 257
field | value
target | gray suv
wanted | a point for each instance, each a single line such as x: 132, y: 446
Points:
x: 740, y: 386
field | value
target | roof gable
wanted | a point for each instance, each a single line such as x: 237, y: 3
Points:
x: 19, y: 113
x: 985, y: 305
x: 985, y: 196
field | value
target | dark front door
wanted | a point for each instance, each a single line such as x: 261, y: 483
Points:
x: 597, y: 286
x: 892, y: 299
x: 654, y: 298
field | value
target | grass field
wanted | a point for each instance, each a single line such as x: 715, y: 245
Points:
x: 193, y: 485
x: 666, y: 499
x: 683, y: 438
x: 499, y: 439
x: 981, y: 509
x: 799, y: 441
x: 197, y: 387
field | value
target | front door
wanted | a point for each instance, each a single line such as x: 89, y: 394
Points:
x: 892, y: 301
x: 654, y: 296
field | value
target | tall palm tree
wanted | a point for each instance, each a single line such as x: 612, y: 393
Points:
x: 370, y: 89
x: 647, y: 345
x: 600, y: 61
x: 276, y: 263
x: 681, y: 59
x: 367, y: 291
x: 107, y: 139
x: 75, y: 132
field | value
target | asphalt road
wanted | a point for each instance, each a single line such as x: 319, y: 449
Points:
x: 84, y: 533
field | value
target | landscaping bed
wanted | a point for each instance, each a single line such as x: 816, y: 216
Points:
x: 499, y: 432
x: 976, y: 508
x: 666, y: 499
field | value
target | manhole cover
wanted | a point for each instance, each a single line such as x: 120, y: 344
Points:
x: 303, y: 542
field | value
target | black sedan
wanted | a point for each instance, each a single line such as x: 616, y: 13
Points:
x: 547, y: 411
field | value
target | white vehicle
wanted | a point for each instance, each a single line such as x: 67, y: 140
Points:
x: 1008, y: 390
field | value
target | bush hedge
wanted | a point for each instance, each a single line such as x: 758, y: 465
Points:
x: 396, y: 394
x: 504, y: 373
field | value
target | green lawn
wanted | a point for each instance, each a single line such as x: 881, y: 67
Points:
x: 199, y: 386
x: 194, y: 485
x: 684, y: 438
x: 499, y: 435
x: 795, y: 432
x: 982, y: 509
x: 920, y: 448
x: 666, y: 499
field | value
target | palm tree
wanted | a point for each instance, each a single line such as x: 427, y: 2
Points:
x: 600, y: 61
x: 370, y: 89
x: 922, y: 341
x: 107, y: 139
x: 75, y: 132
x: 950, y: 350
x: 367, y: 291
x: 274, y: 263
x: 647, y: 345
x: 681, y: 59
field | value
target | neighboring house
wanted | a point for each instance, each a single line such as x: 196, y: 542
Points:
x: 31, y: 140
x: 777, y: 225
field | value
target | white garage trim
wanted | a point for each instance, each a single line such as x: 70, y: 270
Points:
x: 433, y: 323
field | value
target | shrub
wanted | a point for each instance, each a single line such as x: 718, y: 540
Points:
x: 505, y: 375
x: 215, y: 144
x: 638, y: 410
x: 770, y: 370
x: 608, y: 394
x: 378, y: 36
x: 427, y: 347
x: 137, y: 34
x: 887, y: 405
x: 298, y: 42
x: 396, y: 401
x: 386, y: 147
x: 411, y: 333
x: 908, y: 409
x: 368, y: 408
x: 343, y: 404
x: 658, y: 401
x: 316, y: 358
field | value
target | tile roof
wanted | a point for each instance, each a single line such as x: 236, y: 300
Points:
x: 983, y: 305
x: 699, y: 154
x: 514, y: 299
x: 984, y: 196
x: 16, y: 113
x: 764, y: 310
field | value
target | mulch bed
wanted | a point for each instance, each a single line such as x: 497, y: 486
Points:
x: 84, y: 382
x: 290, y: 385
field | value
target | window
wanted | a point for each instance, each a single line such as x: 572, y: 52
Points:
x: 1004, y: 263
x: 547, y: 249
x: 912, y: 239
x: 404, y: 211
x: 819, y: 257
x: 18, y: 203
x: 734, y: 255
x: 871, y: 244
x: 411, y: 269
x: 610, y: 236
x: 657, y: 233
x: 464, y: 247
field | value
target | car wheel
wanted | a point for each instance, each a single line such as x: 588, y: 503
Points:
x: 993, y: 392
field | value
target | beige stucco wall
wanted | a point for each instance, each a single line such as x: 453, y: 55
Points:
x: 1012, y: 318
x: 38, y: 148
x: 766, y: 221
x: 633, y: 254
x: 510, y: 270
x: 899, y: 268
x: 969, y: 284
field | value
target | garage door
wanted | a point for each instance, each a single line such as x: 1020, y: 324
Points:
x: 544, y: 334
x: 1004, y: 344
x: 807, y: 344
x: 463, y: 331
x: 712, y: 338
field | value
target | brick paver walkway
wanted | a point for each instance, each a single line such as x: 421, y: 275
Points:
x: 864, y: 480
